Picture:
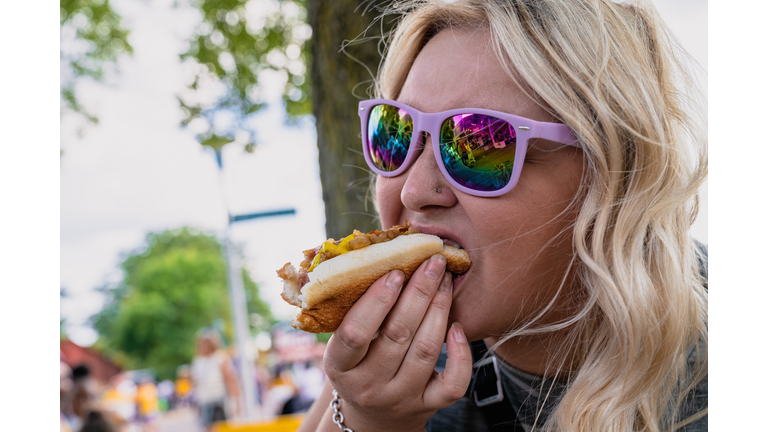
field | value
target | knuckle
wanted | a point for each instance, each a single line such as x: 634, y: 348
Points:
x: 442, y: 302
x: 351, y: 337
x: 365, y: 400
x: 372, y: 397
x: 330, y: 371
x: 386, y: 298
x: 397, y: 331
x: 426, y: 350
x: 453, y: 392
x: 422, y: 290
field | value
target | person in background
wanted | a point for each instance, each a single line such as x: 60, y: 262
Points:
x: 310, y: 379
x: 183, y: 388
x: 300, y: 400
x: 147, y: 402
x: 281, y: 390
x: 165, y: 391
x: 120, y: 399
x: 80, y: 403
x: 263, y: 379
x: 97, y: 421
x: 213, y: 379
x: 65, y: 385
x: 78, y: 399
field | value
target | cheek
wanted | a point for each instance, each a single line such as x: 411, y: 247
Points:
x: 538, y: 236
x: 388, y: 199
x: 526, y: 252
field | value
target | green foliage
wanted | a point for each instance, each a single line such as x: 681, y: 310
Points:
x: 98, y: 29
x: 234, y: 43
x: 171, y: 289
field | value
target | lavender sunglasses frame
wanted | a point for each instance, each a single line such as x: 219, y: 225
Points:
x: 525, y: 129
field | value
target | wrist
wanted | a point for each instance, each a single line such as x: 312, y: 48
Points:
x: 356, y: 423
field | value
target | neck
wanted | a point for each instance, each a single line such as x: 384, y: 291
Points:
x: 546, y: 355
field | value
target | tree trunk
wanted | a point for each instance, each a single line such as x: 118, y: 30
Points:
x: 339, y: 81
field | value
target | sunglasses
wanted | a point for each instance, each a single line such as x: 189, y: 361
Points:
x: 479, y: 151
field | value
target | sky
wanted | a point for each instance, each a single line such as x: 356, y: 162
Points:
x: 137, y: 171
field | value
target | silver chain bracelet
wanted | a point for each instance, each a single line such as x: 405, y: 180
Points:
x: 338, y: 417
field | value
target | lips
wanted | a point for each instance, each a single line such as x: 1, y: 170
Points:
x: 449, y: 239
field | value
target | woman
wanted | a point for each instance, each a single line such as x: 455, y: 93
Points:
x: 213, y: 378
x: 584, y: 282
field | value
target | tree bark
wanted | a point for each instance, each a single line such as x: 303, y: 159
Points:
x: 339, y: 81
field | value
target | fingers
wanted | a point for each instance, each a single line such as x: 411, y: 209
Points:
x: 411, y: 327
x: 351, y: 340
x: 446, y: 388
x: 403, y: 322
x: 422, y: 355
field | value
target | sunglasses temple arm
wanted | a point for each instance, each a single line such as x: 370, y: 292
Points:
x: 556, y: 132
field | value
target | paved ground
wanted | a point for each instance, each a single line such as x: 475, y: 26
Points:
x: 182, y: 420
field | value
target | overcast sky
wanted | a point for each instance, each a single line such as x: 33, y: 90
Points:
x: 138, y: 172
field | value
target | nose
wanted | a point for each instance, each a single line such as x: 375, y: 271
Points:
x: 425, y: 186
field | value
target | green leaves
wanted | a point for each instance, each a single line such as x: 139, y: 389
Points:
x: 170, y: 289
x: 235, y: 42
x: 215, y: 141
x: 92, y: 36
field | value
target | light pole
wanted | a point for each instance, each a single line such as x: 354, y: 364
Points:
x: 237, y: 296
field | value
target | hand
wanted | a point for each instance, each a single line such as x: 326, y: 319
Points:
x: 235, y: 408
x: 381, y: 359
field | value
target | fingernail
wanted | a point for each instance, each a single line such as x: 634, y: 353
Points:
x: 458, y: 333
x: 395, y: 281
x: 435, y: 267
x: 446, y: 284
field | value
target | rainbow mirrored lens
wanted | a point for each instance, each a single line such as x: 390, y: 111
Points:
x: 478, y: 151
x: 389, y: 135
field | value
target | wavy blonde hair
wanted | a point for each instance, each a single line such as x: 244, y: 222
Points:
x: 613, y: 72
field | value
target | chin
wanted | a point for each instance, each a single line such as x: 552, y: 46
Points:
x: 470, y: 322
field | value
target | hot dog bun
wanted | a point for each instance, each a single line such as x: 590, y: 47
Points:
x: 336, y: 284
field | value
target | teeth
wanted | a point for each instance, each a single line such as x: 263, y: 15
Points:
x: 453, y: 243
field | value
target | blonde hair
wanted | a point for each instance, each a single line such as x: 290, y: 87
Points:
x: 613, y: 73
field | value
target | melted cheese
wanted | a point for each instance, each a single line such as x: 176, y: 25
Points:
x: 331, y: 249
x: 328, y: 246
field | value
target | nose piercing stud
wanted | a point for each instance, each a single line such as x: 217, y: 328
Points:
x: 439, y: 190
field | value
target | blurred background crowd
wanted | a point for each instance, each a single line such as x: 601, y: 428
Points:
x: 97, y: 395
x: 204, y: 144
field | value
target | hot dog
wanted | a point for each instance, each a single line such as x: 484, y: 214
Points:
x: 334, y: 275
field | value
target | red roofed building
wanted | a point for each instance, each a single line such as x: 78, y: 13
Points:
x: 101, y: 368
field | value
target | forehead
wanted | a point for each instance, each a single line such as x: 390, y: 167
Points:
x: 458, y: 68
